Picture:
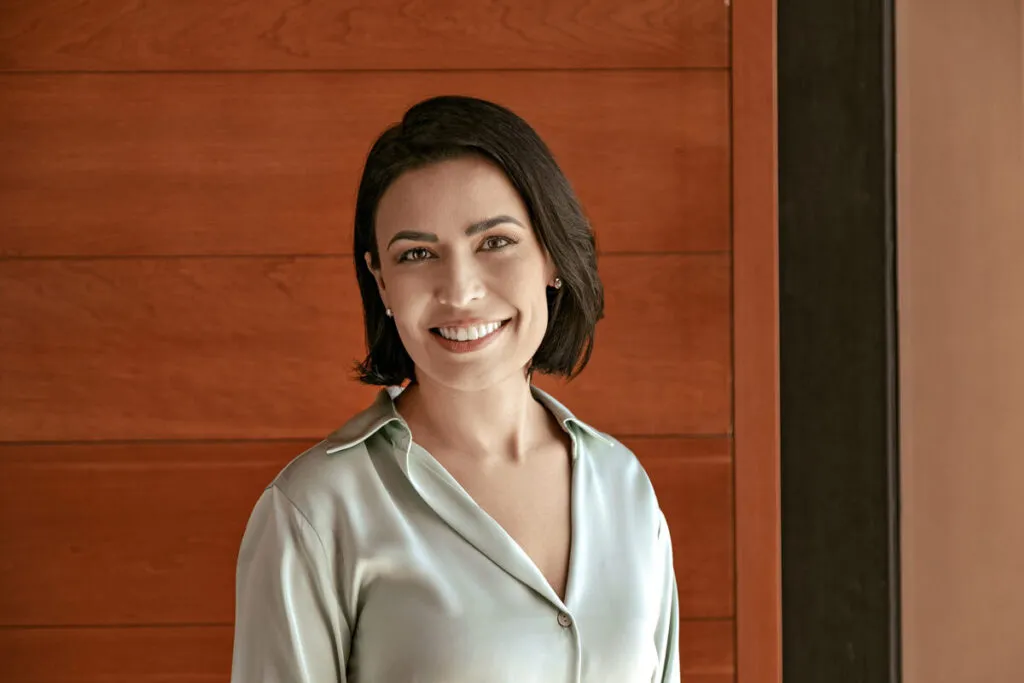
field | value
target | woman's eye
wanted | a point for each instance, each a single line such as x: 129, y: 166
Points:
x: 415, y: 254
x: 497, y: 242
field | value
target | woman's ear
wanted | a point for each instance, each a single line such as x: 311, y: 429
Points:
x: 376, y: 276
x: 550, y: 270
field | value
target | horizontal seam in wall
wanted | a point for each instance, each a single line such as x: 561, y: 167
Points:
x: 167, y: 257
x: 288, y: 72
x: 225, y: 624
x: 280, y: 440
x: 165, y: 441
x: 72, y: 627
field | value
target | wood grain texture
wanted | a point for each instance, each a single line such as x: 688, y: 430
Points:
x: 159, y: 164
x: 664, y: 344
x: 202, y: 654
x: 693, y: 481
x: 198, y: 35
x: 136, y: 534
x: 264, y: 348
x: 756, y: 351
x: 162, y: 654
x: 706, y: 651
x: 127, y: 534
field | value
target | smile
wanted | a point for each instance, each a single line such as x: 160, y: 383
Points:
x: 471, y: 338
x: 471, y: 333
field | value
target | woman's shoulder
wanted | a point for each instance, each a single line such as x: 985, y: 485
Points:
x: 612, y: 458
x: 624, y: 485
x: 341, y: 466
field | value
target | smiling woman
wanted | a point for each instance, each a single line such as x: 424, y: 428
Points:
x: 466, y: 526
x: 450, y: 280
x: 459, y: 168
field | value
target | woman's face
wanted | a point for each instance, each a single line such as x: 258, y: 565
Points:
x: 459, y: 258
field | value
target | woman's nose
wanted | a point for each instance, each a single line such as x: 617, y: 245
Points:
x: 459, y: 283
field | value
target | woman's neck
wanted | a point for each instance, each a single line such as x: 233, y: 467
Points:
x: 501, y: 423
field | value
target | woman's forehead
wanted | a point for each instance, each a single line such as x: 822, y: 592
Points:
x: 448, y: 195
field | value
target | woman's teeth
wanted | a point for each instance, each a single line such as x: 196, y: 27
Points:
x: 468, y: 333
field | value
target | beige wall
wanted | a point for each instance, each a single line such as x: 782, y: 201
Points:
x: 960, y: 148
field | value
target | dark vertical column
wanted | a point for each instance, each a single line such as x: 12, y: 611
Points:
x: 838, y: 364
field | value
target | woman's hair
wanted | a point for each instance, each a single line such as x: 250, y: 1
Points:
x: 449, y: 127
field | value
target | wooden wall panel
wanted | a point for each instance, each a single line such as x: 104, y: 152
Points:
x: 263, y: 348
x: 757, y: 481
x: 664, y: 343
x: 706, y: 653
x: 137, y: 534
x: 693, y: 480
x: 138, y: 164
x: 127, y: 534
x: 361, y: 34
x: 202, y: 654
x: 161, y: 654
x: 135, y: 134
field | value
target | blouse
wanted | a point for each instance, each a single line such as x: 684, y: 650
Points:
x: 365, y: 561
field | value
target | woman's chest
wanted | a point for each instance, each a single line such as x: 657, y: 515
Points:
x: 448, y: 602
x: 467, y: 621
x: 533, y: 505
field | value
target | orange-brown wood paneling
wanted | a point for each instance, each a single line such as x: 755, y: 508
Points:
x: 127, y: 534
x: 194, y: 653
x: 264, y: 348
x: 199, y: 35
x: 129, y: 537
x: 693, y: 480
x: 202, y: 654
x: 269, y: 163
x: 137, y: 534
x: 756, y: 346
x: 178, y: 312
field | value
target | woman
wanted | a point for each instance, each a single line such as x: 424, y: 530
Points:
x: 469, y: 527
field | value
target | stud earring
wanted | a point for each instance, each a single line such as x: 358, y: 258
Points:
x: 387, y: 312
x: 558, y: 283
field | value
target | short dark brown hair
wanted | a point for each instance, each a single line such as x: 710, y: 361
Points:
x: 449, y: 127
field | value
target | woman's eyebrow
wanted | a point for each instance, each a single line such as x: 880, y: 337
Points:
x: 474, y: 228
x: 489, y: 223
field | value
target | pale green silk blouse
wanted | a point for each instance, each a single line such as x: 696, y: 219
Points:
x: 365, y: 561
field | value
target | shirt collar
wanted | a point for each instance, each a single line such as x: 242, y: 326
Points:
x: 382, y: 411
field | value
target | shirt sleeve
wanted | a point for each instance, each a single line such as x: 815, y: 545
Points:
x: 667, y: 632
x: 288, y: 623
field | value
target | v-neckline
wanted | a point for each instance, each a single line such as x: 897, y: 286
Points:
x: 521, y: 559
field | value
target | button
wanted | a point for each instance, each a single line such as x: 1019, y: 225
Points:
x: 564, y: 620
